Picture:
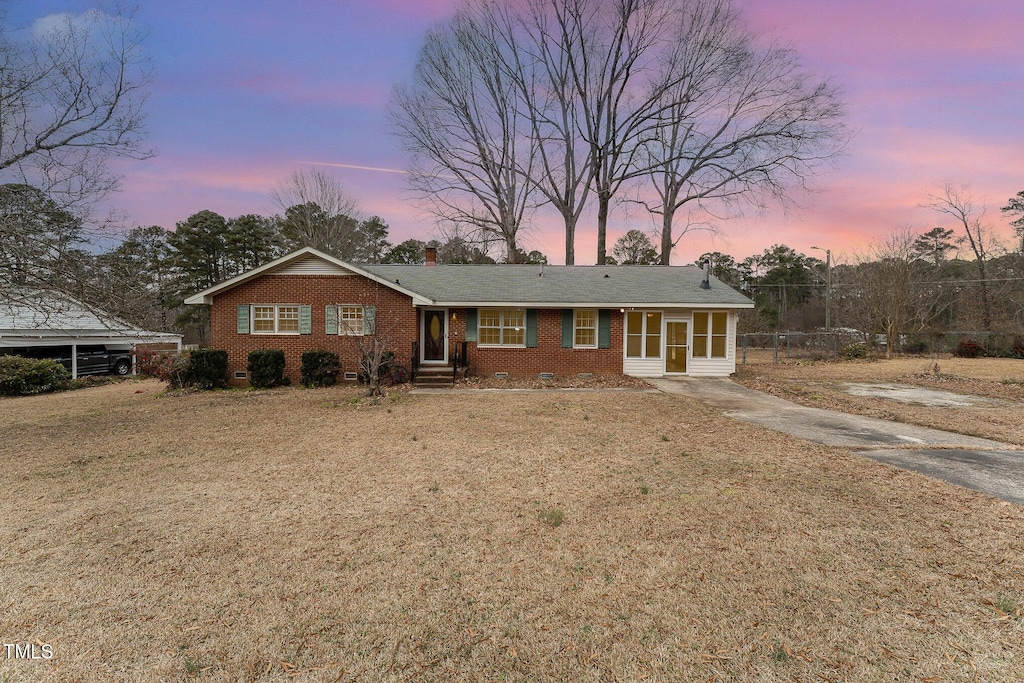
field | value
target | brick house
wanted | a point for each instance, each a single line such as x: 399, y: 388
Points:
x: 524, y: 320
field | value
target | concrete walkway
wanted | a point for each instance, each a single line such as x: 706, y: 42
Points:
x: 980, y: 464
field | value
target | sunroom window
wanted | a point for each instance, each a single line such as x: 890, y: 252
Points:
x: 643, y: 334
x: 710, y: 332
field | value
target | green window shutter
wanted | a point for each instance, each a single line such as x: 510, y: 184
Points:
x: 305, y: 320
x: 568, y: 320
x: 331, y: 319
x: 243, y: 320
x: 531, y: 328
x: 369, y: 319
x: 471, y: 324
x: 604, y: 329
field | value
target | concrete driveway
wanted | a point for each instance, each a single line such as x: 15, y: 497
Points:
x: 980, y: 464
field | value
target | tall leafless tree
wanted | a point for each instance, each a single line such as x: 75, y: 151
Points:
x: 472, y: 152
x: 608, y: 91
x: 72, y: 92
x: 740, y: 122
x: 317, y: 211
x: 959, y: 204
x: 884, y: 284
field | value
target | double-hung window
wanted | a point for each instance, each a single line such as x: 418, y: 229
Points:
x: 643, y: 334
x: 350, y: 319
x: 710, y: 331
x: 277, y: 319
x: 585, y: 329
x: 501, y: 327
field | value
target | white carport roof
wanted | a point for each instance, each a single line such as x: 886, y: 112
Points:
x: 43, y: 318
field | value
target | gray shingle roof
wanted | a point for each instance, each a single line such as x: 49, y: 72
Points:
x: 578, y: 285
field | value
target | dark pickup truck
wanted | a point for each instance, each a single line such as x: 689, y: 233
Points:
x: 93, y: 359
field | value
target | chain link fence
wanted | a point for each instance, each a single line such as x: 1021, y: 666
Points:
x: 771, y: 347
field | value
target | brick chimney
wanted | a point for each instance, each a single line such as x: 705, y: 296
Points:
x: 431, y: 254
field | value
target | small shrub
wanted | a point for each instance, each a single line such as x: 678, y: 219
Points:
x: 968, y: 348
x: 1017, y: 349
x: 320, y: 369
x: 399, y: 373
x: 22, y: 376
x: 854, y: 351
x: 209, y: 368
x: 149, y: 363
x: 266, y: 368
x: 203, y: 368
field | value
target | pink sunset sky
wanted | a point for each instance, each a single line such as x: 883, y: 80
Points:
x: 248, y: 92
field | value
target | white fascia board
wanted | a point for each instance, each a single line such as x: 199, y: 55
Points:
x: 579, y: 304
x: 206, y: 296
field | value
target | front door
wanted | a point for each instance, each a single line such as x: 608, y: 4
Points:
x: 434, y: 336
x: 675, y: 346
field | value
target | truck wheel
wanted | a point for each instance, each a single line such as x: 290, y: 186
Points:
x: 122, y: 368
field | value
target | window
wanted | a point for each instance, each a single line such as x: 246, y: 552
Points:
x: 643, y: 334
x: 585, y: 329
x: 501, y: 327
x: 350, y: 319
x: 275, y: 319
x: 710, y: 331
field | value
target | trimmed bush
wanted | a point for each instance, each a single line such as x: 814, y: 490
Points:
x: 203, y: 368
x: 22, y: 376
x: 320, y: 368
x: 968, y: 348
x: 209, y: 368
x: 854, y: 351
x: 266, y: 368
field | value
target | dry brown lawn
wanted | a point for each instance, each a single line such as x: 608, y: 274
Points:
x: 820, y: 384
x: 310, y: 536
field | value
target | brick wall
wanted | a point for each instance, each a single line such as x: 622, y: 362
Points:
x: 549, y: 356
x: 396, y: 319
x: 398, y: 322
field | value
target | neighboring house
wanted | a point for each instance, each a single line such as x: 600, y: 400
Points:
x: 45, y: 324
x: 646, y: 321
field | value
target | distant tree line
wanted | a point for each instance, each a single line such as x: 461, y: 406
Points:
x: 146, y: 276
x: 924, y: 283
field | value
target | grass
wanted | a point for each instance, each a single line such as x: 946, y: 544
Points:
x: 821, y: 385
x: 265, y: 536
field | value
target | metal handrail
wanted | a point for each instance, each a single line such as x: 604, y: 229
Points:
x: 414, y: 364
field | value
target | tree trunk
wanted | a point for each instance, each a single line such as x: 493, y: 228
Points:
x: 665, y: 258
x: 510, y: 249
x: 570, y: 240
x: 603, y: 200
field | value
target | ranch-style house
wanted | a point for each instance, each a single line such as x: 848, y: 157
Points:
x: 523, y: 320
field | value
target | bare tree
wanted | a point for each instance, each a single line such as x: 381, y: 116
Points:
x: 739, y: 123
x: 884, y: 281
x: 541, y: 64
x: 472, y: 153
x: 71, y: 97
x: 318, y: 211
x: 958, y: 203
x: 607, y: 91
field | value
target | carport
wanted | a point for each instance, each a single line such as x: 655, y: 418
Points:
x: 46, y: 321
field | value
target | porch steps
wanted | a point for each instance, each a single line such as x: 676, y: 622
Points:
x: 433, y: 377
